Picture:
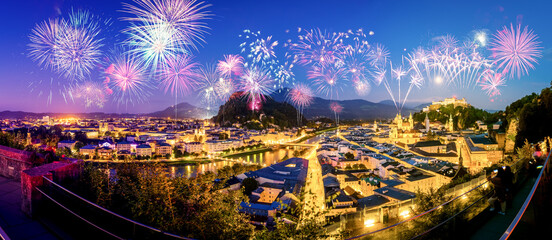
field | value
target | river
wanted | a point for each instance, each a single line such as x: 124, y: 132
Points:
x: 266, y: 159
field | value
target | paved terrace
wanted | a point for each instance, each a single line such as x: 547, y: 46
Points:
x: 12, y: 220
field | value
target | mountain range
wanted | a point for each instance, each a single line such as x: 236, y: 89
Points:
x: 185, y: 110
x: 352, y: 109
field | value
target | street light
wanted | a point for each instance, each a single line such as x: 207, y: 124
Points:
x: 369, y: 222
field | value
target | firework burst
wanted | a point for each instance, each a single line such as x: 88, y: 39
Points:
x: 178, y: 75
x: 261, y: 51
x: 69, y: 47
x: 154, y: 44
x: 44, y: 46
x: 515, y: 51
x: 91, y: 93
x: 301, y: 95
x: 126, y: 78
x: 231, y: 65
x: 327, y: 80
x: 491, y: 82
x: 207, y: 85
x: 183, y: 19
x: 318, y: 48
x: 357, y: 57
x: 256, y: 84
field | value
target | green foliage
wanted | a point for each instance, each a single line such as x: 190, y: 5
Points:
x: 249, y: 185
x: 189, y: 207
x: 236, y: 110
x: 535, y: 117
x: 524, y: 152
x: 236, y: 169
x: 432, y: 136
x: 223, y: 136
x: 349, y: 156
x: 177, y: 153
x: 78, y: 146
x: 462, y: 117
x: 9, y: 140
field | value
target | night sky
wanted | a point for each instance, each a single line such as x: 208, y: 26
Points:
x: 399, y: 25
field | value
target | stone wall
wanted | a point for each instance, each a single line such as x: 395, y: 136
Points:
x: 33, y: 177
x: 13, y: 161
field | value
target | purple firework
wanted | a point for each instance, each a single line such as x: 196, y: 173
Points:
x: 515, y: 51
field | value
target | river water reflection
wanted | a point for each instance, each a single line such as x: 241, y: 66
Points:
x: 265, y: 159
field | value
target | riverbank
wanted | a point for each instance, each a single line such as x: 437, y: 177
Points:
x: 167, y: 161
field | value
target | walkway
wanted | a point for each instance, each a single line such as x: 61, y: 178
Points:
x: 14, y: 222
x: 497, y: 224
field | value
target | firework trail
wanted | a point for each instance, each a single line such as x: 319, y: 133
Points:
x: 207, y: 85
x: 183, y: 20
x: 126, y: 78
x: 336, y: 108
x: 91, y: 93
x: 515, y: 51
x: 256, y: 84
x: 231, y: 66
x: 70, y: 47
x: 51, y: 87
x: 301, y: 96
x: 399, y: 73
x: 178, y: 75
x: 458, y: 66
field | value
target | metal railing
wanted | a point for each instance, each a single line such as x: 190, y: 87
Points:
x: 545, y: 172
x: 104, y: 220
x: 3, y: 235
x: 464, y: 213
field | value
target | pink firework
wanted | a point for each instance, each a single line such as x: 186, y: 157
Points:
x: 380, y: 54
x: 327, y: 79
x: 301, y: 96
x: 515, y: 51
x: 255, y: 84
x: 491, y: 82
x: 336, y: 108
x: 179, y: 75
x: 318, y: 48
x: 362, y: 87
x: 91, y: 93
x: 232, y: 64
x: 127, y: 80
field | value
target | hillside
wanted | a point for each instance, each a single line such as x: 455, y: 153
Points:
x: 236, y: 110
x: 185, y: 110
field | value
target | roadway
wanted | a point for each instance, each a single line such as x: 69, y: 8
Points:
x: 314, y: 199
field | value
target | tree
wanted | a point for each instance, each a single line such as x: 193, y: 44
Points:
x: 223, y: 136
x: 78, y: 146
x: 177, y: 153
x: 81, y: 137
x: 349, y: 156
x: 249, y: 185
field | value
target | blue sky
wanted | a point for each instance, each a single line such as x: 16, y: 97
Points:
x: 398, y: 25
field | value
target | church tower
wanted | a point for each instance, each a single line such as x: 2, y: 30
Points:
x: 410, y: 122
x: 450, y: 124
x: 426, y: 123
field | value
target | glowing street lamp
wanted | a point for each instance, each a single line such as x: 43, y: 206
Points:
x: 369, y: 222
